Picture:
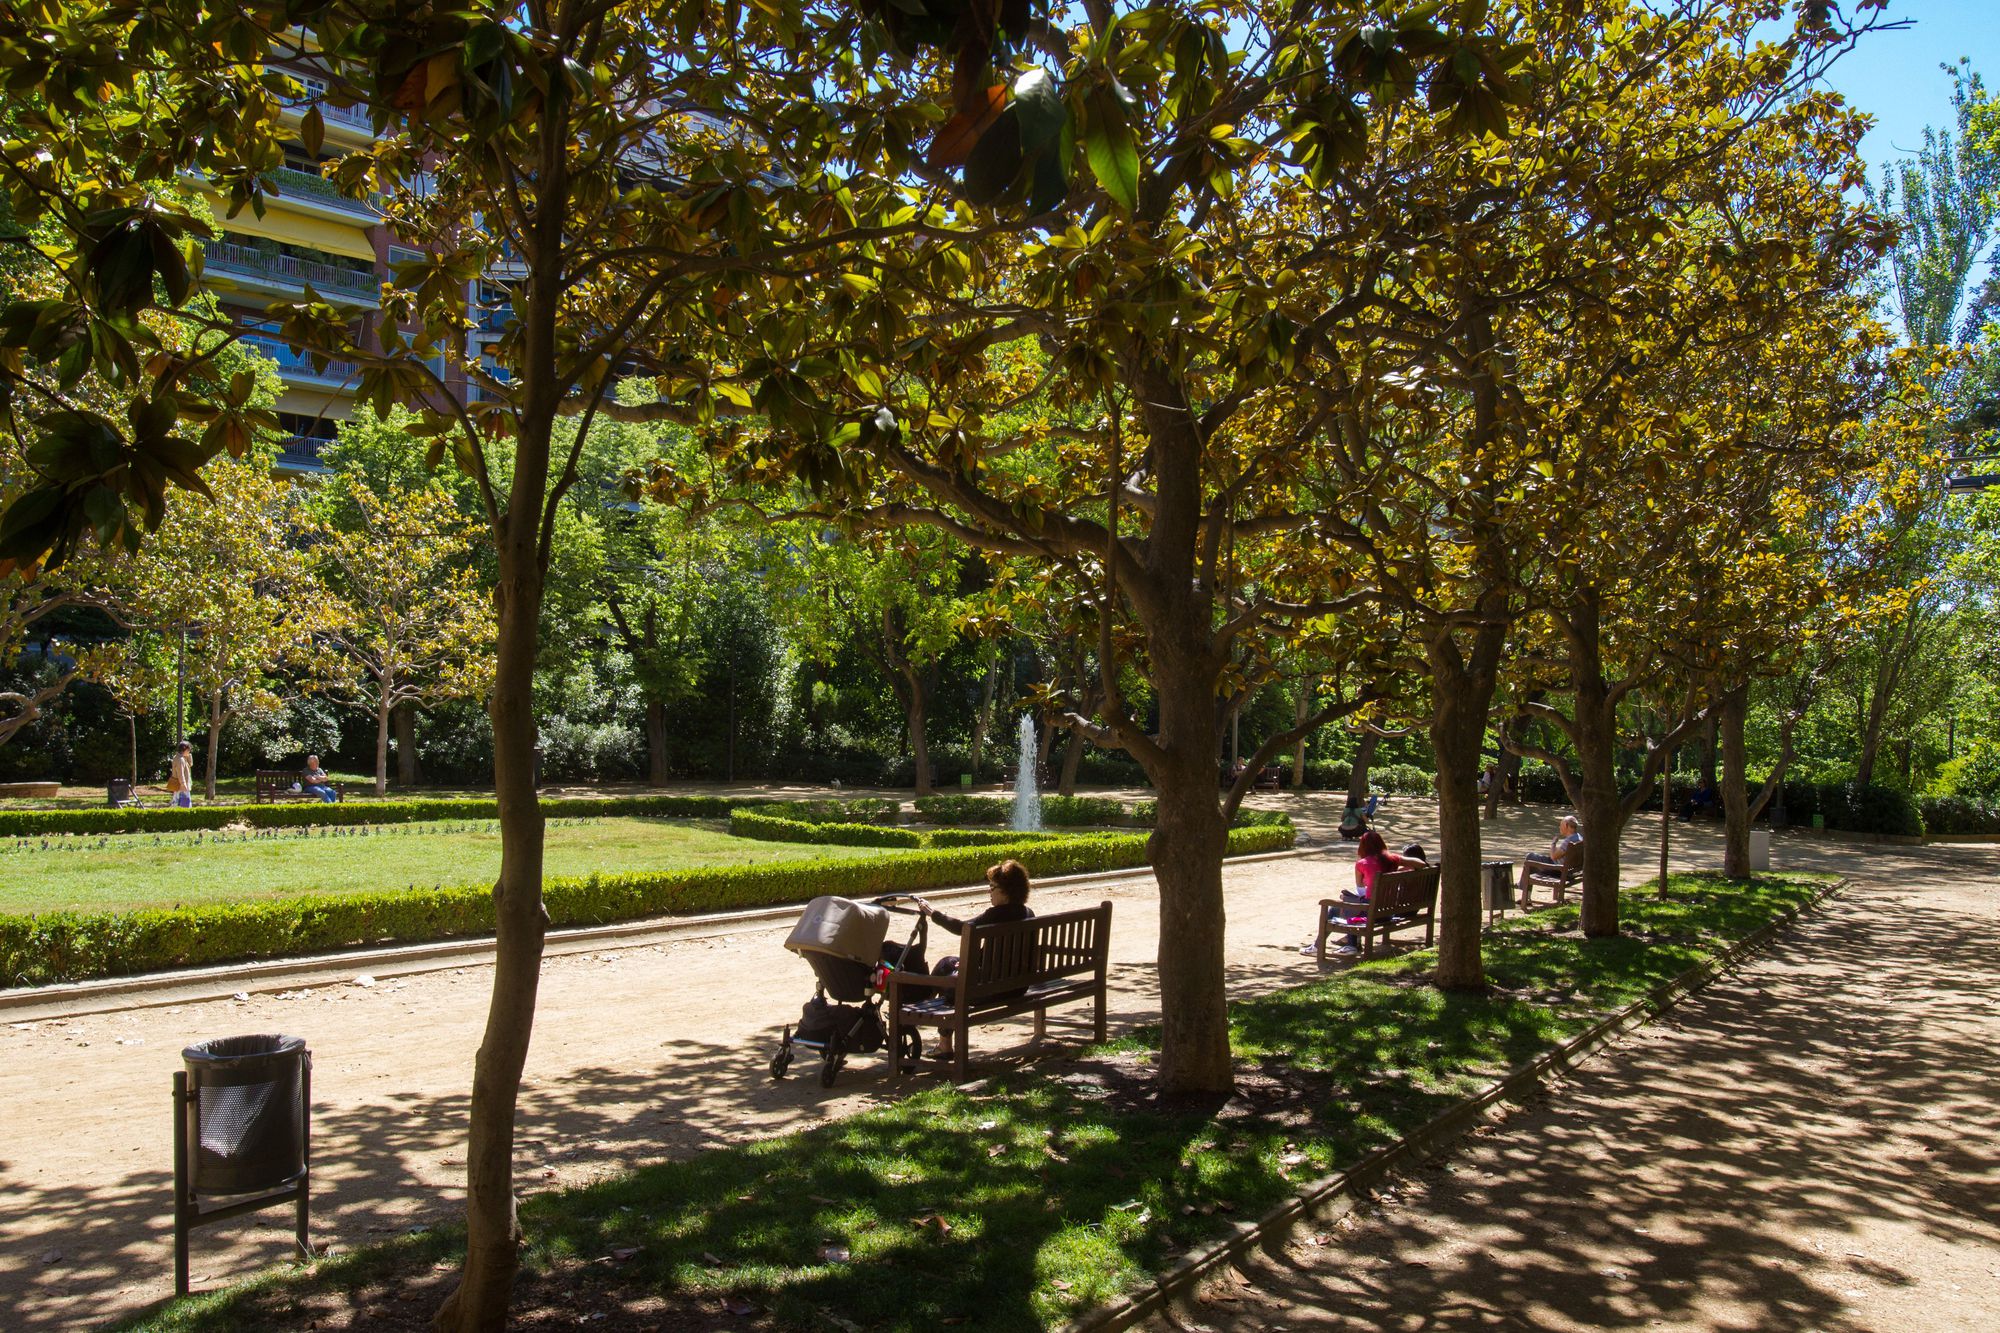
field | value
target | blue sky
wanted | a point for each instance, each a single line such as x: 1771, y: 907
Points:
x: 1894, y: 76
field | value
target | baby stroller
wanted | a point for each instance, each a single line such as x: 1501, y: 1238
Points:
x: 845, y: 942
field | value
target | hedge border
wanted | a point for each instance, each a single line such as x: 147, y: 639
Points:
x: 77, y: 946
x: 315, y: 814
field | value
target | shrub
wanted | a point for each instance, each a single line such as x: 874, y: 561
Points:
x: 860, y: 810
x: 1327, y: 774
x: 1956, y: 814
x: 1538, y: 782
x: 767, y: 827
x: 298, y: 814
x: 965, y: 809
x: 1400, y: 780
x: 74, y: 946
x: 1073, y: 810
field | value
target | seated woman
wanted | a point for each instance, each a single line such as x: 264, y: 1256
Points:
x: 1007, y: 892
x: 1372, y: 860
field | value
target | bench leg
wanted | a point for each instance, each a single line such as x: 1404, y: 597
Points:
x: 895, y: 1047
x: 961, y: 1067
x: 1041, y: 1023
x: 1430, y: 928
x: 1101, y: 1029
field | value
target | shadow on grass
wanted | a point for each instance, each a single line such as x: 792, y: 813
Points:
x: 1014, y: 1203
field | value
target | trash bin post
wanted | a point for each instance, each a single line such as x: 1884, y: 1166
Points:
x: 183, y: 1207
x: 256, y: 1151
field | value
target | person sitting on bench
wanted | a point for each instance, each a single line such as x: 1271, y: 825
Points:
x: 1372, y: 859
x: 316, y: 782
x: 1570, y: 835
x: 1700, y: 801
x: 1354, y: 822
x: 1007, y: 891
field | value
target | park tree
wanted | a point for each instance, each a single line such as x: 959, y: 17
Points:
x: 224, y: 577
x: 405, y: 611
x: 631, y: 171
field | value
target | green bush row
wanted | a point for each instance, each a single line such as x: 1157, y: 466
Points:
x: 299, y: 814
x: 859, y: 810
x: 1070, y: 811
x: 75, y: 946
x: 964, y: 809
x: 767, y: 827
x: 1957, y: 814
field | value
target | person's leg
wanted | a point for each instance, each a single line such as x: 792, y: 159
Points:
x: 1351, y: 941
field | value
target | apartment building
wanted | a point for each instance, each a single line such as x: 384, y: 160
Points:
x: 311, y: 234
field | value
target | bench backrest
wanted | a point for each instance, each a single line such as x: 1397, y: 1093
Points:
x: 278, y: 777
x: 1405, y: 891
x: 1010, y: 955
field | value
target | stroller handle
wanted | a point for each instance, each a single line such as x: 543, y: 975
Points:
x: 891, y: 902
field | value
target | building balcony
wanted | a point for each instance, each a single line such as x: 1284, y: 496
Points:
x: 309, y: 187
x: 297, y: 368
x: 301, y: 453
x: 282, y: 273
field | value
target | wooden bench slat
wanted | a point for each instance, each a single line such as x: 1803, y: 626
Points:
x: 1400, y: 898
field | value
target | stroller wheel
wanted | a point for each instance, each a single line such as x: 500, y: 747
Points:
x: 831, y: 1060
x: 910, y: 1050
x: 781, y: 1062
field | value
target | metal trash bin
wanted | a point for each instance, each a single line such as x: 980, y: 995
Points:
x: 242, y: 1134
x: 118, y: 793
x: 1496, y: 882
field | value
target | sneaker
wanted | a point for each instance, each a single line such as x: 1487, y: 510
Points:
x: 1349, y: 947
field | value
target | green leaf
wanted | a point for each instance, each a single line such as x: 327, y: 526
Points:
x: 1111, y: 151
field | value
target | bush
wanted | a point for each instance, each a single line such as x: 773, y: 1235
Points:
x: 860, y: 810
x: 1328, y: 774
x: 1850, y: 807
x: 772, y: 827
x: 1073, y: 810
x: 1400, y: 780
x: 74, y: 946
x: 299, y: 814
x: 965, y: 809
x: 1956, y: 814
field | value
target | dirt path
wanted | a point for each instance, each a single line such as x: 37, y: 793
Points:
x: 1814, y: 1143
x: 640, y: 1054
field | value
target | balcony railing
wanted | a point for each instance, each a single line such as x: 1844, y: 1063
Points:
x: 302, y: 451
x: 294, y: 183
x: 296, y: 365
x: 289, y: 270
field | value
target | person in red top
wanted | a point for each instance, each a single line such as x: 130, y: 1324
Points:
x: 1372, y: 860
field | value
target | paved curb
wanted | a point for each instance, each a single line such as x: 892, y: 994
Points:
x: 1335, y: 1195
x: 193, y: 985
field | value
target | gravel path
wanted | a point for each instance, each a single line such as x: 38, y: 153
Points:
x: 1812, y: 1143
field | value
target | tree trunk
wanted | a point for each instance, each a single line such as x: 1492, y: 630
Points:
x: 409, y: 772
x: 1594, y: 734
x: 1364, y: 758
x: 216, y: 717
x: 983, y: 719
x: 1186, y: 851
x: 1508, y: 769
x: 919, y: 745
x: 656, y: 743
x: 383, y: 710
x: 1458, y: 730
x: 1730, y: 710
x: 132, y: 722
x: 1710, y: 749
x: 1301, y: 710
x: 1072, y: 759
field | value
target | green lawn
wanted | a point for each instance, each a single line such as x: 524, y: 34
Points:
x: 162, y: 870
x: 1017, y: 1204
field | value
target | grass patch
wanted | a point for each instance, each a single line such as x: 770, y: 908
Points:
x: 1017, y: 1205
x: 111, y: 872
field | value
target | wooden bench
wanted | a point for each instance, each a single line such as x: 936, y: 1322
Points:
x: 1558, y: 876
x: 1401, y: 898
x: 1007, y: 968
x: 275, y: 784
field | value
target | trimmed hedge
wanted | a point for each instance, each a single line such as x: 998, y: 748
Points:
x: 1064, y: 811
x: 299, y: 814
x: 767, y: 827
x: 1853, y: 808
x: 965, y: 809
x: 75, y: 946
x: 860, y: 810
x: 1956, y: 814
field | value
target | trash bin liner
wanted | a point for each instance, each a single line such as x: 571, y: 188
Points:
x: 250, y: 1108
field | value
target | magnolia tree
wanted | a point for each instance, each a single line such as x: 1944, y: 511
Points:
x: 406, y: 615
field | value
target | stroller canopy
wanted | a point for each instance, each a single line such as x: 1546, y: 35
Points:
x: 841, y: 927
